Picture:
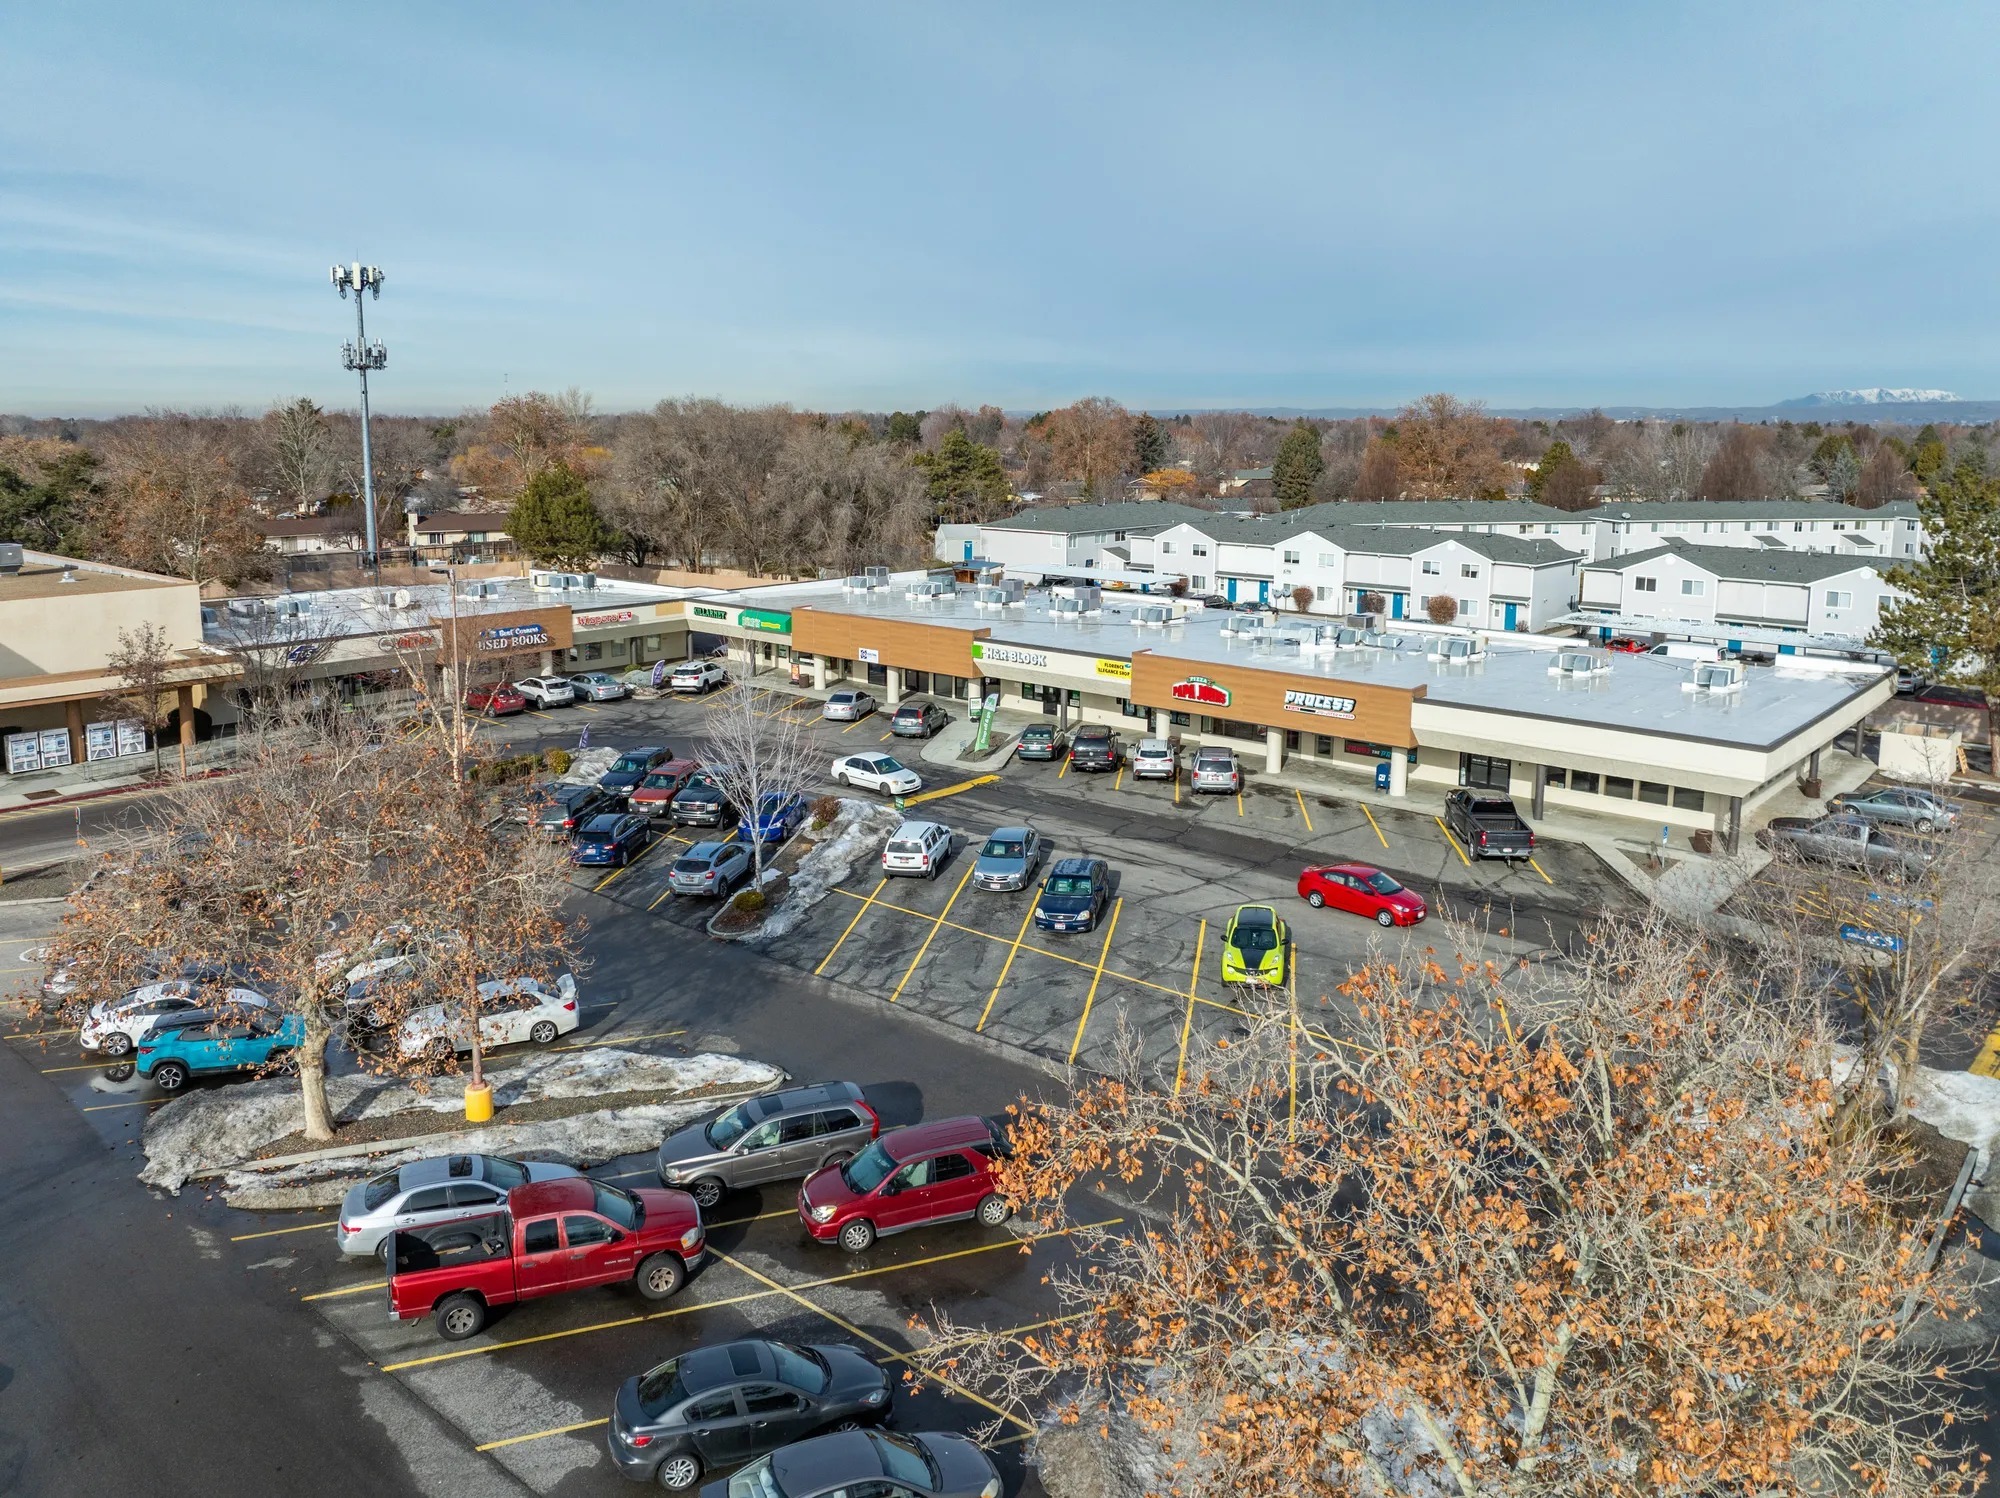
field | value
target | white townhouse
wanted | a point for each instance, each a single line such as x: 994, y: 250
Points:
x: 1890, y: 533
x: 1706, y: 590
x: 1077, y: 540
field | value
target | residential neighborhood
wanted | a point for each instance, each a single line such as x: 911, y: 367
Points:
x: 822, y: 753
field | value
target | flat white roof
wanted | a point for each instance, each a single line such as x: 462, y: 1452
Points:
x: 338, y: 613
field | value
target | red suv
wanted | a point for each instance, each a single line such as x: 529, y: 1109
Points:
x: 908, y: 1178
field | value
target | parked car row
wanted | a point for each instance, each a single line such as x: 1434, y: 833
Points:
x: 504, y: 699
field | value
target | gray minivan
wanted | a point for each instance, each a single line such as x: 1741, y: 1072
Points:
x: 781, y: 1136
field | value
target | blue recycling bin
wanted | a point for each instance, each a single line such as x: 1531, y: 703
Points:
x: 1382, y: 776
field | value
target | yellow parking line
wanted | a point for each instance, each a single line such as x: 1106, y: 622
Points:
x: 305, y: 1227
x: 560, y: 1430
x: 1987, y: 1062
x: 49, y: 1071
x: 876, y: 1342
x: 850, y: 925
x: 1373, y: 823
x: 1177, y: 788
x: 1539, y: 870
x: 584, y: 1045
x: 361, y: 1289
x: 1239, y: 803
x: 854, y: 725
x: 1007, y: 966
x: 950, y: 790
x: 887, y: 736
x: 1187, y: 1025
x: 709, y: 1305
x: 615, y: 873
x: 41, y: 1034
x: 936, y: 926
x: 1119, y: 779
x: 1065, y: 768
x: 1453, y: 841
x: 148, y: 1102
x: 1104, y: 952
x: 1302, y: 807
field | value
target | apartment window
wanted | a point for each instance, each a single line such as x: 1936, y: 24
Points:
x: 1329, y: 559
x: 1656, y: 527
x: 1468, y: 569
x: 1431, y: 569
x: 1466, y: 609
x: 1291, y: 559
x: 1499, y: 609
x: 1798, y: 525
x: 1198, y: 549
x: 1722, y: 527
x: 1645, y: 585
x: 1687, y: 800
x: 1837, y: 598
x: 1322, y: 595
x: 1166, y: 548
x: 1693, y: 587
x: 1618, y: 786
x: 1840, y: 525
x: 1655, y: 795
x: 1118, y: 535
x: 1198, y: 583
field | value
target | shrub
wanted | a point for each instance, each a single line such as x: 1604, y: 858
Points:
x: 825, y: 810
x: 747, y: 901
x: 556, y: 761
x: 1373, y: 603
x: 1442, y: 608
x: 1302, y: 599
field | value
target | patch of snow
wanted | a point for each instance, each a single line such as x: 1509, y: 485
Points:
x: 214, y: 1129
x: 856, y: 832
x: 1960, y: 1105
x: 587, y: 767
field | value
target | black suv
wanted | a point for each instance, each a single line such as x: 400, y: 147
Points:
x: 1040, y: 741
x: 918, y: 720
x: 1094, y: 748
x: 700, y: 803
x: 558, y: 810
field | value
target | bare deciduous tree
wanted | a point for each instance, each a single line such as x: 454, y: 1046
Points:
x: 1091, y: 442
x: 752, y: 757
x: 1448, y: 449
x: 297, y: 452
x: 143, y: 664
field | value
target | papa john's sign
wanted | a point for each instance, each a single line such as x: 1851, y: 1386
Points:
x: 1199, y: 689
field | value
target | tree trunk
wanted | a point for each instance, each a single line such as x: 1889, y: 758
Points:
x: 312, y: 1080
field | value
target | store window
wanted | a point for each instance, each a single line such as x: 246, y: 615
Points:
x: 1030, y: 692
x: 1583, y: 780
x: 1131, y: 709
x: 1322, y: 743
x: 878, y: 674
x: 1484, y: 771
x: 593, y: 652
x: 916, y: 681
x: 1291, y: 741
x: 1652, y: 794
x: 1181, y: 720
x: 1687, y: 800
x: 1618, y: 786
x: 1555, y: 775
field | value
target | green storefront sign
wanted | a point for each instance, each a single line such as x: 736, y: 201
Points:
x: 769, y: 620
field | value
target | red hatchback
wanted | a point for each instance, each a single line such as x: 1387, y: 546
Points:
x: 499, y: 701
x: 1363, y: 890
x: 908, y: 1178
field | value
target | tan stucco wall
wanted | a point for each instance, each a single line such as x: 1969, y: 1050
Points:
x: 60, y: 631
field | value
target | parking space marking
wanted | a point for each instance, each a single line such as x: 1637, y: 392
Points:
x: 1006, y: 967
x: 1065, y: 768
x: 40, y: 1034
x: 931, y: 935
x: 145, y: 1102
x: 854, y: 725
x: 1373, y: 823
x: 626, y: 866
x: 1302, y: 808
x: 584, y: 1045
x: 1103, y: 953
x: 1539, y: 870
x: 851, y: 924
x: 950, y: 790
x: 887, y: 736
x: 305, y: 1227
x: 873, y: 1341
x: 735, y: 1300
x: 1187, y: 1025
x: 1453, y: 841
x: 1118, y: 780
x: 1239, y: 803
x: 49, y: 1071
x: 560, y: 1430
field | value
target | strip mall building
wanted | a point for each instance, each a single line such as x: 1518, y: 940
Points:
x: 1551, y: 722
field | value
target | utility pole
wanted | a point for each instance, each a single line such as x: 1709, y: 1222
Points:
x: 361, y: 356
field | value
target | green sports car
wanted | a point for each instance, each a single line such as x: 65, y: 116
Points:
x: 1254, y: 947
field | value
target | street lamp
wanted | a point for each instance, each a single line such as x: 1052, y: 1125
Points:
x: 362, y: 356
x: 455, y: 718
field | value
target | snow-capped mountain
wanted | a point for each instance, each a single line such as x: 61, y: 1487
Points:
x: 1874, y: 395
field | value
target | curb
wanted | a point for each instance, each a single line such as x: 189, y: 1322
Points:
x: 135, y: 788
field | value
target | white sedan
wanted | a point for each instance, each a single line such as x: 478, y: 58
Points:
x: 877, y: 772
x: 115, y: 1026
x: 511, y: 1010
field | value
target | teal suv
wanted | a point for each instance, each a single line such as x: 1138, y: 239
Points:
x: 213, y: 1045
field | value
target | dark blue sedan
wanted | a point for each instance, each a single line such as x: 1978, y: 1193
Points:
x: 611, y: 839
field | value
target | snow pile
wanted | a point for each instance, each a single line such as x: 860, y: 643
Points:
x: 1960, y: 1105
x: 587, y: 766
x: 204, y: 1132
x: 857, y: 832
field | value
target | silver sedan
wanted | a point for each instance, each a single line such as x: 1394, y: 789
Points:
x: 1009, y: 859
x: 847, y: 705
x: 423, y: 1192
x: 598, y: 686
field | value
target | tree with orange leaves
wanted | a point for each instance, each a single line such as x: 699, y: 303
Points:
x: 530, y: 434
x: 1590, y: 1235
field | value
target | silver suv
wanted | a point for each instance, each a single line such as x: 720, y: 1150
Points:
x: 1215, y: 770
x: 781, y: 1136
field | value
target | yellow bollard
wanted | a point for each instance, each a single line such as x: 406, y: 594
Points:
x: 479, y: 1104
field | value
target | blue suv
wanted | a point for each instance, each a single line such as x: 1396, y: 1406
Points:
x: 203, y: 1045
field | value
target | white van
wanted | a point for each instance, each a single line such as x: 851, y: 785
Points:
x: 1687, y: 650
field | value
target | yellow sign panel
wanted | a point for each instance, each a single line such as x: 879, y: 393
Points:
x: 1120, y: 669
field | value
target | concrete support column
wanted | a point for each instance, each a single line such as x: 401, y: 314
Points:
x: 819, y: 664
x: 975, y: 696
x: 1541, y: 786
x: 73, y: 718
x: 184, y: 700
x: 1399, y: 773
x: 1733, y: 838
x: 1156, y: 722
x: 1274, y: 750
x: 893, y: 693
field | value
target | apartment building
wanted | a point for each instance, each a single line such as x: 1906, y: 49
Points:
x: 1706, y: 590
x: 1080, y: 539
x: 1891, y: 533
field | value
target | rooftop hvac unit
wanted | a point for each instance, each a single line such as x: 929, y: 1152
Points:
x: 855, y: 584
x: 1458, y: 648
x: 932, y: 588
x: 878, y: 577
x: 1009, y: 588
x: 585, y: 580
x: 1153, y: 614
x: 1725, y: 676
x: 1579, y: 663
x: 1065, y: 608
x: 1275, y: 642
x: 1379, y: 640
x: 293, y: 608
x: 249, y: 608
x: 546, y: 582
x: 1348, y: 637
x: 1088, y: 597
x: 480, y: 588
x: 11, y: 557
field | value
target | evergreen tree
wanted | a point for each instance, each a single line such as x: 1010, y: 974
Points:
x: 965, y: 478
x: 1554, y: 456
x: 1298, y: 466
x: 1827, y: 453
x: 1927, y: 455
x: 1149, y: 444
x: 555, y: 523
x: 906, y: 427
x: 1947, y: 621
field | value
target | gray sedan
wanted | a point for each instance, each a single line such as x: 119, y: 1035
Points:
x: 431, y: 1191
x: 1901, y: 806
x: 923, y: 1464
x: 598, y: 686
x: 847, y: 705
x: 1009, y: 859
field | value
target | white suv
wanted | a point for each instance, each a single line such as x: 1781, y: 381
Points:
x: 917, y: 848
x: 547, y: 691
x: 698, y: 676
x: 1155, y: 759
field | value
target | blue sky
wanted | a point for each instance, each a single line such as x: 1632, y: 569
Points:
x: 900, y: 205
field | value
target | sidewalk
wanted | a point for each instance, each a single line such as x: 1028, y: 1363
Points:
x: 108, y: 777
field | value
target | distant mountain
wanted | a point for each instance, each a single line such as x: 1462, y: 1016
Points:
x: 1874, y: 395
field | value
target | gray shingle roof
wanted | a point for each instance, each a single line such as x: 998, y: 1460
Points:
x: 1747, y: 564
x: 1744, y: 509
x: 1083, y: 519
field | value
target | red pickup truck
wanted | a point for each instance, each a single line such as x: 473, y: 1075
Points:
x: 552, y: 1236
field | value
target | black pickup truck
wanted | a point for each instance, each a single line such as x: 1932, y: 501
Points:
x: 1488, y: 825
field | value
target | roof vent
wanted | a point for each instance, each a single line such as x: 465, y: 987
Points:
x: 1461, y: 648
x: 1579, y: 663
x: 545, y: 582
x: 1723, y: 676
x: 11, y: 557
x: 404, y: 599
